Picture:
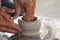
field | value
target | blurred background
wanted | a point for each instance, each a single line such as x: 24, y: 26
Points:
x: 48, y: 8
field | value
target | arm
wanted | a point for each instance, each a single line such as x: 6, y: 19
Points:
x: 17, y: 9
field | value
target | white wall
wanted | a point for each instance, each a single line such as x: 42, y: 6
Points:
x: 49, y: 8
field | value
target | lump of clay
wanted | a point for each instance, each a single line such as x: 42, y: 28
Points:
x: 30, y: 31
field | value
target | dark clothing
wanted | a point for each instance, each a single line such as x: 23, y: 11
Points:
x: 9, y: 4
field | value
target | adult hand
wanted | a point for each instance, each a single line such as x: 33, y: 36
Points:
x: 4, y: 12
x: 30, y: 9
x: 27, y: 7
x: 6, y: 22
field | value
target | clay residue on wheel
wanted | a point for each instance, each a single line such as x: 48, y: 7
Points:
x: 15, y: 37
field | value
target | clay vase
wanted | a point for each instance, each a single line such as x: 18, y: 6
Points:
x: 31, y: 30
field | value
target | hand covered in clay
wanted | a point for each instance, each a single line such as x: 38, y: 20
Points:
x: 27, y: 7
x: 6, y: 22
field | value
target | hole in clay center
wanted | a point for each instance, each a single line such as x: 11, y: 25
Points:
x: 35, y: 18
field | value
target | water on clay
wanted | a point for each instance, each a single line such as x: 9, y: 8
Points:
x: 17, y: 37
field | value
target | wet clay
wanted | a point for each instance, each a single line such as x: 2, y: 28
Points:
x: 55, y: 39
x: 30, y: 30
x: 24, y: 38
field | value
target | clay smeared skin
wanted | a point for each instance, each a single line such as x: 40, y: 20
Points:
x: 29, y: 6
x: 6, y: 22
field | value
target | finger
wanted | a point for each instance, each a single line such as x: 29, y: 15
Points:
x: 28, y: 13
x: 28, y: 10
x: 9, y: 25
x: 13, y: 26
x: 16, y: 27
x: 34, y: 3
x: 9, y: 10
x: 1, y: 17
x: 4, y: 29
x: 2, y: 21
x: 17, y: 13
x: 32, y: 11
x: 23, y: 11
x: 6, y: 16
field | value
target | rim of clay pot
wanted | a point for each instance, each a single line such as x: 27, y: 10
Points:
x: 35, y: 18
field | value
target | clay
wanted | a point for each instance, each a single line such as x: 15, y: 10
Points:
x: 55, y: 39
x: 3, y: 38
x: 24, y: 38
x: 30, y: 31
